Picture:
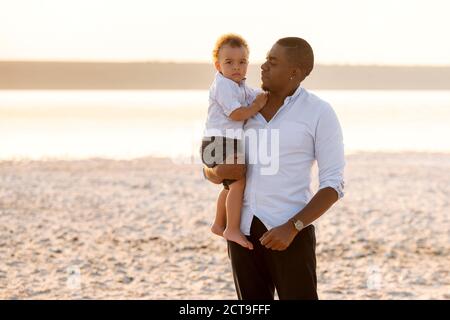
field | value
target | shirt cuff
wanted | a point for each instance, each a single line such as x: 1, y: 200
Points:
x: 336, y: 185
x: 229, y: 110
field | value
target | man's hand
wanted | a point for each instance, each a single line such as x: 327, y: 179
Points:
x: 225, y: 171
x: 211, y: 176
x: 279, y: 238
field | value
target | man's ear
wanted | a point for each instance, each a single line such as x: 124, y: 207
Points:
x: 299, y: 74
x: 217, y: 66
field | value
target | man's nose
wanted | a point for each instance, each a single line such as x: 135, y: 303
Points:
x: 264, y: 66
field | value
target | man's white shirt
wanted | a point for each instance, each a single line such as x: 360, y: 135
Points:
x: 308, y: 130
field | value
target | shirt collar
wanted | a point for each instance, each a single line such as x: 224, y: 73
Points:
x: 297, y: 92
x: 221, y: 76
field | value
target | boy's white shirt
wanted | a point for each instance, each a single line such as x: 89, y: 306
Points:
x: 225, y: 96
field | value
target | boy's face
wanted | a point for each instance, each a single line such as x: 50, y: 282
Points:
x: 232, y: 62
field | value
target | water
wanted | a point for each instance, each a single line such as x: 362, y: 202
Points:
x: 128, y: 124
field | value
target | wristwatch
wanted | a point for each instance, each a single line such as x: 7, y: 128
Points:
x: 298, y: 224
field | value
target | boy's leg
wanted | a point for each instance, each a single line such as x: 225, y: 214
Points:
x: 233, y: 209
x: 220, y: 221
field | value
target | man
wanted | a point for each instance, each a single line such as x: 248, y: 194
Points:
x: 278, y: 208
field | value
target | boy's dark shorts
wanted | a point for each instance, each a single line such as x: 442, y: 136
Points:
x: 230, y: 147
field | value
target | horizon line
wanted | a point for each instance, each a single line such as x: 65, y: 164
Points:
x: 206, y: 62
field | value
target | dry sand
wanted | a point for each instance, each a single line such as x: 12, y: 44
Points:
x: 106, y: 229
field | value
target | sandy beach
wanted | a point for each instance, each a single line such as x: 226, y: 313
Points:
x: 139, y: 229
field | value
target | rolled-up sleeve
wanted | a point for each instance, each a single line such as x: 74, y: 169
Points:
x: 227, y: 97
x: 329, y: 151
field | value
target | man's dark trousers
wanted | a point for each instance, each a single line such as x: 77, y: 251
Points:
x: 258, y: 272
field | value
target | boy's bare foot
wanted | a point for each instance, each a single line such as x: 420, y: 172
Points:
x: 238, y: 237
x: 217, y: 229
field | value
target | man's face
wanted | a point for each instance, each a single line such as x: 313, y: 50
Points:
x: 233, y: 62
x: 276, y: 71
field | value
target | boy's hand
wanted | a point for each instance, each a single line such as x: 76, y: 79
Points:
x: 261, y: 100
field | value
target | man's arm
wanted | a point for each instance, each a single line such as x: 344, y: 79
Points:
x: 281, y: 237
x: 319, y: 204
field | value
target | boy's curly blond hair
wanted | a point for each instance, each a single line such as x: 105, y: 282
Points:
x: 231, y: 39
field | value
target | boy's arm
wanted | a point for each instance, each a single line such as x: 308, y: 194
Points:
x: 244, y: 113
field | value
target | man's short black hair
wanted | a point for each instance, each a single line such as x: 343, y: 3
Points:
x: 299, y: 53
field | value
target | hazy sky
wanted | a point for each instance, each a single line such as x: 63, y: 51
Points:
x: 345, y: 31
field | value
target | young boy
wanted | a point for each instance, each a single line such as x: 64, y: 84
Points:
x: 231, y: 102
